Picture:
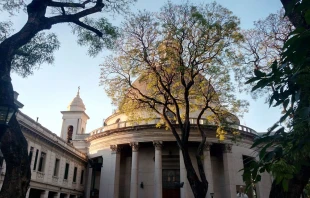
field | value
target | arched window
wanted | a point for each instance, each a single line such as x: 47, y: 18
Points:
x: 69, y: 133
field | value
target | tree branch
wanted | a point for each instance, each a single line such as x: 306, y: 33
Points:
x: 68, y: 5
x: 75, y: 17
x: 63, y: 11
x: 21, y: 53
x: 80, y: 23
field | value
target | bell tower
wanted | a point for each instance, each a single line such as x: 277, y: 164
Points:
x: 74, y: 119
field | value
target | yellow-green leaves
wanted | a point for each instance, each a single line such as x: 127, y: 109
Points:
x: 176, y: 64
x: 221, y: 133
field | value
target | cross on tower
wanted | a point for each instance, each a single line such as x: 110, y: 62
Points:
x: 78, y: 93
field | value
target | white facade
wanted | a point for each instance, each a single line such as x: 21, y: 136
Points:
x: 122, y: 159
x: 147, y: 164
x: 58, y: 170
x: 74, y: 117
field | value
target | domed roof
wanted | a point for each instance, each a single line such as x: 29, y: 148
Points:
x: 77, y: 103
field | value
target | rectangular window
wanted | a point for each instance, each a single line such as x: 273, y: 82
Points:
x: 66, y: 171
x: 35, y: 160
x: 74, y: 174
x: 42, y: 162
x: 56, y: 167
x: 30, y: 154
x: 82, y: 177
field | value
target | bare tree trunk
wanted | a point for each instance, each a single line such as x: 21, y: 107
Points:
x: 199, y: 188
x: 13, y: 143
x: 17, y: 176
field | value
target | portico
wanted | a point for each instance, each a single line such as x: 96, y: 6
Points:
x: 156, y: 169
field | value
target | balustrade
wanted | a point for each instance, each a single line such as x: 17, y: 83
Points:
x: 40, y: 175
x: 193, y: 121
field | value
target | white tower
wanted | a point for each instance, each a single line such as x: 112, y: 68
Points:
x: 74, y: 119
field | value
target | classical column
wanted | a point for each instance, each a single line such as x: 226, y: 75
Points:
x: 115, y: 171
x: 208, y: 167
x: 32, y: 158
x: 57, y: 195
x: 89, y: 181
x: 47, y: 166
x: 185, y: 191
x: 134, y: 170
x: 28, y: 192
x: 158, y: 178
x: 44, y: 194
x: 229, y: 174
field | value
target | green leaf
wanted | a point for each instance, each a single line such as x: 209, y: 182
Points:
x: 285, y: 184
x: 269, y: 156
x: 285, y: 103
x: 278, y: 103
x: 307, y: 17
x: 286, y: 115
x: 273, y: 127
x: 261, y: 84
x: 279, y: 179
x: 261, y: 140
x: 274, y: 66
x: 278, y: 151
x: 280, y: 131
x: 252, y: 80
x: 290, y: 42
x: 297, y: 30
x: 271, y: 100
x: 262, y: 153
x: 259, y: 74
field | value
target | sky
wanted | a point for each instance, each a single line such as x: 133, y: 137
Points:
x: 51, y: 88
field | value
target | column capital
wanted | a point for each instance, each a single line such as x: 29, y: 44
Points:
x: 207, y: 146
x: 134, y: 146
x: 158, y: 144
x: 227, y: 148
x: 116, y: 149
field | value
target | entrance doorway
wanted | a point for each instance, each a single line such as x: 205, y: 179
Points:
x: 171, y: 171
x: 171, y: 183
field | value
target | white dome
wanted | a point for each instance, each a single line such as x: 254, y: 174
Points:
x: 77, y: 103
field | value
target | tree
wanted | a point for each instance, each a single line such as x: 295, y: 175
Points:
x: 285, y: 150
x: 26, y: 49
x: 176, y: 64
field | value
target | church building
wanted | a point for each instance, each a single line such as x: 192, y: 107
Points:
x: 130, y: 160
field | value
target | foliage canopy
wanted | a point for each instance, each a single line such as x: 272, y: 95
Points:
x: 284, y: 150
x: 177, y: 65
x: 95, y: 32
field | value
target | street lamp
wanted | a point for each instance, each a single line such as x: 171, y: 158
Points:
x: 6, y: 113
x: 212, y: 194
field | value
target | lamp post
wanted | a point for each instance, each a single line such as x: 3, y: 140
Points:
x: 211, y: 194
x: 7, y: 106
x: 6, y: 113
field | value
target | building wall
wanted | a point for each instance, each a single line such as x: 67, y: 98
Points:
x: 44, y: 181
x: 54, y: 147
x: 148, y: 135
x: 47, y: 174
x: 146, y: 171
